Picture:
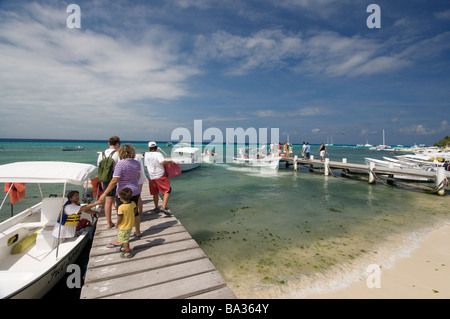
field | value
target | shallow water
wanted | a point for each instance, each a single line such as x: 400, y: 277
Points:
x: 275, y: 236
x: 282, y: 235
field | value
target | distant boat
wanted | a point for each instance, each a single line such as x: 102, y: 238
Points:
x: 72, y: 148
x: 257, y: 158
x: 188, y: 157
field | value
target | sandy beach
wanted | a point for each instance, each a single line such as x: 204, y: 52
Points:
x: 425, y: 274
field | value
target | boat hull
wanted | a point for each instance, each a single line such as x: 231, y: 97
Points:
x: 40, y: 286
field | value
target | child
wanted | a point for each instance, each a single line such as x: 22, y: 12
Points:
x: 125, y: 221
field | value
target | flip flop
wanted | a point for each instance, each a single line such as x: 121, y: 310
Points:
x: 112, y: 245
x: 166, y: 211
x: 138, y: 237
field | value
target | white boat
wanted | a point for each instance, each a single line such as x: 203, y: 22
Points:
x: 35, y: 269
x: 257, y: 157
x: 188, y: 157
x: 208, y: 156
x: 381, y: 147
x: 402, y: 165
x: 72, y: 148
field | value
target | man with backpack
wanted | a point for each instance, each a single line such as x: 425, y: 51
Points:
x: 106, y: 163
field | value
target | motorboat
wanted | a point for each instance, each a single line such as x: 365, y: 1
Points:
x: 257, y: 157
x: 393, y: 163
x: 208, y: 156
x: 32, y: 260
x: 188, y: 157
x: 72, y: 148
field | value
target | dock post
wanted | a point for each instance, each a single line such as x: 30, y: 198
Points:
x: 327, y: 160
x: 295, y: 163
x: 371, y: 176
x: 440, y: 181
x: 344, y: 160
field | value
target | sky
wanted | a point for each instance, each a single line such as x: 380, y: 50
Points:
x: 313, y: 69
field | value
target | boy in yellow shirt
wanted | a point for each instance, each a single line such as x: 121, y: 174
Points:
x: 125, y: 221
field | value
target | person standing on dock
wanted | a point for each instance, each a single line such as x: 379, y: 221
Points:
x: 158, y: 181
x: 307, y: 150
x: 322, y: 151
x: 127, y: 174
x: 125, y: 221
x: 304, y: 150
x: 112, y: 151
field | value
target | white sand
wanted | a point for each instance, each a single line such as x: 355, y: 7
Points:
x: 425, y: 274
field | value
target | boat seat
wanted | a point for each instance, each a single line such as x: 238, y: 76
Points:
x: 51, y: 206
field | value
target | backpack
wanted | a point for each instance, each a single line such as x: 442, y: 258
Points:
x: 106, y: 168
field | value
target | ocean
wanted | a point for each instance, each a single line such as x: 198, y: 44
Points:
x: 283, y: 235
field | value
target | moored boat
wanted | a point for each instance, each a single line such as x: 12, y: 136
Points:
x: 257, y: 158
x: 72, y: 148
x: 32, y: 261
x: 188, y: 157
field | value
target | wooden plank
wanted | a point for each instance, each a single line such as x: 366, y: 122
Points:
x: 105, y: 260
x: 222, y: 293
x: 127, y: 284
x: 116, y: 267
x: 141, y: 244
x: 183, y: 288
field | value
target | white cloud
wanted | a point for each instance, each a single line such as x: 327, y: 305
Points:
x: 263, y: 50
x: 52, y: 71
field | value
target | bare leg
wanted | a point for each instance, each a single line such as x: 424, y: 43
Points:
x: 165, y: 200
x: 155, y: 201
x: 108, y: 211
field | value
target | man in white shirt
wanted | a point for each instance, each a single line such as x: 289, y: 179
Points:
x: 158, y: 181
x: 114, y: 144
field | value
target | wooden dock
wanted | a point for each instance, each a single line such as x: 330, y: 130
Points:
x: 167, y: 263
x: 440, y: 178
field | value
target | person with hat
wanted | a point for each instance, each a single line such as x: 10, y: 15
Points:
x: 158, y: 181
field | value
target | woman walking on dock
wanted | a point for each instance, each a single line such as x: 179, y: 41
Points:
x: 322, y: 151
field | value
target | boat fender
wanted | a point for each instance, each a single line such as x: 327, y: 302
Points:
x: 22, y: 245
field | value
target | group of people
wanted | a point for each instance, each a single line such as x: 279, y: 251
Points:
x: 306, y: 151
x: 124, y: 189
x: 277, y: 149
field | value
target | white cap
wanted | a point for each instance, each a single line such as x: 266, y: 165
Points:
x: 151, y: 144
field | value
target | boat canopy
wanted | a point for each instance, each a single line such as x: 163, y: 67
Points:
x: 190, y: 150
x: 47, y: 172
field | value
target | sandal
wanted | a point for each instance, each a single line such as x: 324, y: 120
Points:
x: 112, y: 245
x: 138, y: 237
x: 166, y: 211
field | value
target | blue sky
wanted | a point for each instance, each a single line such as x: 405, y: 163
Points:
x: 140, y: 69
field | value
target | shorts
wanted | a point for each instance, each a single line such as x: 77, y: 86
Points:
x: 322, y: 153
x: 112, y: 192
x: 161, y: 184
x: 124, y: 235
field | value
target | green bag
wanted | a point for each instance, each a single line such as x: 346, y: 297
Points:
x: 106, y: 168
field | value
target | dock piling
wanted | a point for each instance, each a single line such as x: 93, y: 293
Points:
x: 440, y: 181
x: 326, y: 166
x: 371, y: 174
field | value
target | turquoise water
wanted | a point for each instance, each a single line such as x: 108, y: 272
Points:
x: 283, y: 235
